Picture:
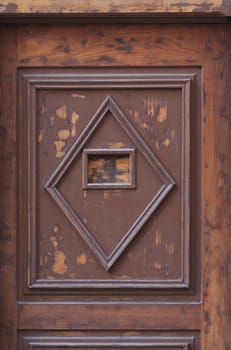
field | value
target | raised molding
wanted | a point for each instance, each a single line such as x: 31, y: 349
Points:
x: 109, y: 342
x: 32, y: 81
x: 108, y: 105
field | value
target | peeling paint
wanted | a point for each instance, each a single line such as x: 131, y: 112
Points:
x: 60, y: 144
x: 157, y: 265
x: 156, y: 108
x: 169, y: 247
x: 78, y: 96
x: 63, y: 134
x: 41, y: 135
x: 158, y: 238
x: 116, y: 145
x: 118, y: 6
x: 163, y: 114
x: 52, y: 121
x: 44, y: 109
x: 62, y: 112
x: 81, y: 259
x: 56, y: 229
x: 150, y: 105
x: 59, y: 265
x: 166, y: 142
x: 74, y: 119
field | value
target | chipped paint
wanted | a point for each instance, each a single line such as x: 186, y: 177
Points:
x: 157, y: 265
x: 166, y: 142
x: 63, y: 134
x: 112, y: 6
x: 116, y: 145
x: 41, y: 135
x: 56, y: 229
x: 60, y: 144
x: 61, y: 112
x: 78, y: 96
x: 156, y: 108
x: 150, y: 105
x: 163, y: 114
x: 44, y: 109
x: 135, y: 114
x: 52, y: 121
x: 158, y: 238
x: 74, y: 119
x: 169, y: 247
x: 81, y: 259
x: 59, y: 265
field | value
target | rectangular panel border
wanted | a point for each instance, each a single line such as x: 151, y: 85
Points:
x: 31, y: 80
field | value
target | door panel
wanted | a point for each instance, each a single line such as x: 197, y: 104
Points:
x: 115, y: 129
x: 129, y: 227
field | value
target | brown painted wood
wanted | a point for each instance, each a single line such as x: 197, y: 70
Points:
x: 216, y: 203
x: 8, y: 208
x: 122, y: 316
x: 193, y: 310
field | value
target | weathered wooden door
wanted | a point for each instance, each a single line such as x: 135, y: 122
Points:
x: 122, y: 186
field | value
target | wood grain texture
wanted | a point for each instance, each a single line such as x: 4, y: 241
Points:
x: 112, y: 6
x: 216, y: 189
x: 8, y: 61
x: 108, y: 316
x: 101, y: 45
x: 205, y: 46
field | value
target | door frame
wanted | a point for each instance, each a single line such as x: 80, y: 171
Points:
x: 216, y: 304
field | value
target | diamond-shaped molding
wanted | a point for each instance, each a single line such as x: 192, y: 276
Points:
x: 109, y: 105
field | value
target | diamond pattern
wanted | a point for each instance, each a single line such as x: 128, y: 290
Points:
x: 52, y: 185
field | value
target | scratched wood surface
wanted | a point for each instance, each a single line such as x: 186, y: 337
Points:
x: 206, y: 46
x: 8, y: 216
x: 216, y: 189
x: 114, y: 7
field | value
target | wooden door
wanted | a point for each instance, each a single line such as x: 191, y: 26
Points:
x: 118, y: 180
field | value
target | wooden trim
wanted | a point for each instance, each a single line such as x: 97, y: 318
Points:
x: 130, y: 10
x: 92, y: 316
x: 113, y: 6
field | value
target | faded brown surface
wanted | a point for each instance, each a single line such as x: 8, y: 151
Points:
x: 135, y: 317
x: 216, y: 193
x: 8, y: 216
x: 113, y: 6
x: 65, y: 255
